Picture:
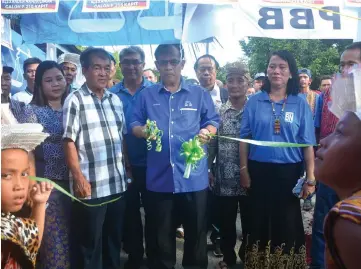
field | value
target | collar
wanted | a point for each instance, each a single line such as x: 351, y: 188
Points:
x: 215, y: 88
x: 120, y: 87
x: 28, y: 91
x: 263, y: 96
x: 182, y: 86
x: 228, y: 105
x: 85, y: 89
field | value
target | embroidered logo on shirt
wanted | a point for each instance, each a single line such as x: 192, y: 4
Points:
x: 187, y: 103
x: 289, y: 117
x: 156, y: 104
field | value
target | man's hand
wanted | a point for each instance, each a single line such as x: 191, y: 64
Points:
x: 211, y: 179
x: 307, y: 190
x: 81, y: 187
x: 40, y: 192
x: 245, y: 179
x: 204, y: 137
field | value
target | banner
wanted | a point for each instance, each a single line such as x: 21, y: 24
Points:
x: 258, y: 20
x: 15, y: 58
x: 6, y: 33
x: 161, y: 23
x: 29, y: 6
x: 114, y: 5
x: 292, y: 2
x: 208, y: 2
x: 353, y: 3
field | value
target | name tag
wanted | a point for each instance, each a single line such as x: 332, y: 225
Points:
x: 289, y: 117
x: 188, y: 109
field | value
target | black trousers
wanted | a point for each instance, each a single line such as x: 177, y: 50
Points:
x: 97, y: 234
x: 228, y: 207
x: 133, y: 226
x: 163, y: 209
x: 213, y: 216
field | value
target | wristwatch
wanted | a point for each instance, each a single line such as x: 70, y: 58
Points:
x: 311, y: 182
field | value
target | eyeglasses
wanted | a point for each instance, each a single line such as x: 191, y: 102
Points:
x: 131, y: 62
x: 173, y: 62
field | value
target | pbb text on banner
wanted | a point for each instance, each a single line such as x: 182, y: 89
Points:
x: 29, y: 6
x: 114, y: 5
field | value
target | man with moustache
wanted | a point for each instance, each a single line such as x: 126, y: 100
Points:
x: 181, y: 111
x: 131, y: 64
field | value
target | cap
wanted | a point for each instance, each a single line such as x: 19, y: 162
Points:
x: 72, y: 58
x: 259, y: 75
x: 305, y: 71
x: 8, y: 69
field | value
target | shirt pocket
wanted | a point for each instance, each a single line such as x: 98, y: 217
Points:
x: 189, y: 116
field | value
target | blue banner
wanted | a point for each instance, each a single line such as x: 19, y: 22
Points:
x: 16, y: 57
x: 160, y: 24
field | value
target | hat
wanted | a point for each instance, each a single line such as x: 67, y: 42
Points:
x: 69, y: 58
x: 22, y: 136
x: 8, y: 69
x: 259, y: 75
x: 305, y: 71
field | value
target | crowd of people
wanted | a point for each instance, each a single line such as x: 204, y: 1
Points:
x: 93, y: 143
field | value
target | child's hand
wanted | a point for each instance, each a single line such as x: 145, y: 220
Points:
x: 40, y: 192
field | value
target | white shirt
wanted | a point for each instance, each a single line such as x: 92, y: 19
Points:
x: 216, y: 97
x: 23, y: 96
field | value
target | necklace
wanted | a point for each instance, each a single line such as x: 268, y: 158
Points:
x: 277, y: 118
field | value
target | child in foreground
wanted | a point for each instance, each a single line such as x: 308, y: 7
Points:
x: 338, y: 164
x: 20, y: 237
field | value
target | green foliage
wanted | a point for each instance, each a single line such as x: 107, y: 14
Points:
x: 118, y: 74
x: 322, y: 57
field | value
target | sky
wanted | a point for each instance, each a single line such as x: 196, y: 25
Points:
x: 228, y: 52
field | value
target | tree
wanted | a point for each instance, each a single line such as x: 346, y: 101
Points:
x: 221, y: 72
x: 322, y: 57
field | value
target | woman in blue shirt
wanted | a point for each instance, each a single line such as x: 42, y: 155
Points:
x: 276, y: 237
x: 46, y: 109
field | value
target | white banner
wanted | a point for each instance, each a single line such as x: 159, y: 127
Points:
x: 29, y: 6
x: 114, y: 5
x: 353, y: 3
x: 208, y: 2
x: 254, y: 18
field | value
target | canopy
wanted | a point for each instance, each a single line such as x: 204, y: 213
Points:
x: 126, y: 22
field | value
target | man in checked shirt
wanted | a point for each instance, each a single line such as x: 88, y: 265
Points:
x: 94, y: 125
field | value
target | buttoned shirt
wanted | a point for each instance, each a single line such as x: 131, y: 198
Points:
x: 137, y: 152
x: 96, y: 127
x: 296, y: 123
x: 216, y: 97
x: 25, y: 96
x: 180, y: 116
x: 228, y: 162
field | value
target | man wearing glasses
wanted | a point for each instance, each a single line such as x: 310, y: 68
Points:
x: 29, y: 67
x: 131, y: 62
x: 181, y: 111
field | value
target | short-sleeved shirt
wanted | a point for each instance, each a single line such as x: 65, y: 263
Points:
x: 24, y: 96
x: 297, y: 126
x: 325, y: 119
x: 228, y: 162
x: 180, y: 116
x: 96, y: 127
x: 138, y: 148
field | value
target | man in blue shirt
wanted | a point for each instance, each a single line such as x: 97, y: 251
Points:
x: 132, y: 64
x: 181, y: 111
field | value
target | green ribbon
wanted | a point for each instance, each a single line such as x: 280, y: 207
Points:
x: 59, y: 188
x: 267, y: 143
x: 152, y: 131
x: 193, y: 152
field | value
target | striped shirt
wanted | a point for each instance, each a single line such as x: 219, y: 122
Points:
x: 97, y: 126
x: 348, y: 209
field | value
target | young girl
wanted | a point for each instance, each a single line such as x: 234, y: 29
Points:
x: 338, y: 165
x: 20, y: 237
